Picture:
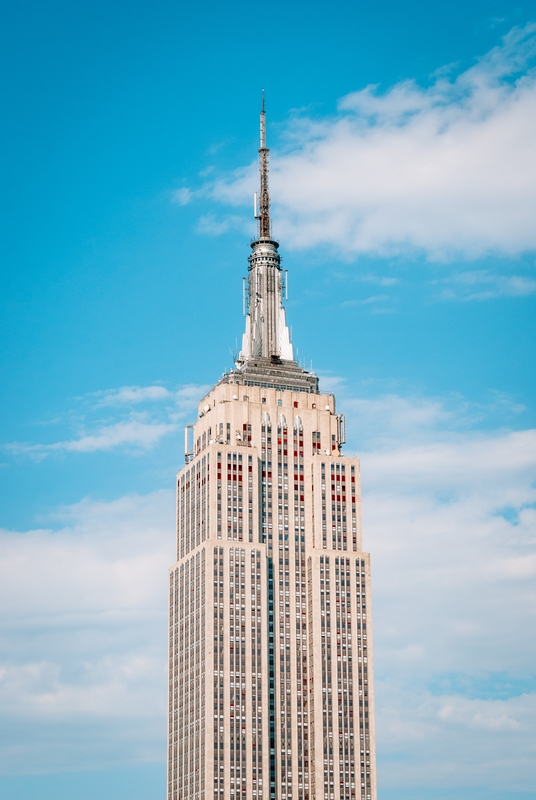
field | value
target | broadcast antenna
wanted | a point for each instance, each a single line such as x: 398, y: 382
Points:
x: 262, y: 212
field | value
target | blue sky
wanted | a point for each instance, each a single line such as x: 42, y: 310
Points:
x: 403, y: 174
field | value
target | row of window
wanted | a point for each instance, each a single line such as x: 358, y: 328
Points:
x: 186, y: 734
x: 243, y: 751
x: 193, y: 506
x: 346, y: 722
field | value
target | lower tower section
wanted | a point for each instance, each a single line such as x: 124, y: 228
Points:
x: 270, y: 654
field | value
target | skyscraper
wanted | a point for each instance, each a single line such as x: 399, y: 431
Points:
x: 270, y: 652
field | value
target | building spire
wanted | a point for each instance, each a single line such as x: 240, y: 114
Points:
x: 264, y: 198
x: 266, y: 335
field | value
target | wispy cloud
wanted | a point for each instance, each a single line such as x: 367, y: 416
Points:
x: 373, y: 299
x: 182, y: 196
x: 391, y: 418
x: 453, y: 741
x: 378, y: 279
x: 482, y: 285
x: 446, y: 170
x: 215, y: 226
x: 135, y: 431
x: 330, y: 383
x: 186, y: 399
x: 131, y: 395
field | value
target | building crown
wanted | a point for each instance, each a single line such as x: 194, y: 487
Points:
x: 267, y: 334
x: 266, y: 357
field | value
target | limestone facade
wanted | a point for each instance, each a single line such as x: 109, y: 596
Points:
x: 270, y: 640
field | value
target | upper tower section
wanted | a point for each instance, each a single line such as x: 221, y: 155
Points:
x: 266, y: 334
x: 266, y: 357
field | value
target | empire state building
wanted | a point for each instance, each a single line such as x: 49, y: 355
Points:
x: 270, y: 634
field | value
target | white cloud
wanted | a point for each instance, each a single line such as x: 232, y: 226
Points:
x: 375, y: 298
x: 189, y: 396
x: 378, y: 279
x: 83, y: 632
x: 450, y: 461
x: 136, y: 431
x: 446, y: 170
x: 99, y: 560
x: 454, y: 741
x: 391, y: 420
x: 119, y: 686
x: 214, y: 226
x: 392, y: 417
x: 330, y: 383
x: 492, y: 715
x: 379, y: 304
x: 127, y: 395
x: 481, y: 285
x: 182, y: 196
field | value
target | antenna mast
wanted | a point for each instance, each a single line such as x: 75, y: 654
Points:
x: 264, y: 197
